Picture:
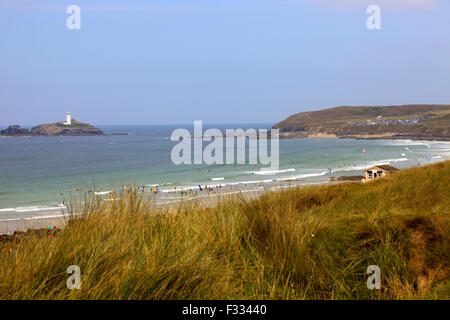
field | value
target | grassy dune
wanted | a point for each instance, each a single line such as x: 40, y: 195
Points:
x: 306, y: 243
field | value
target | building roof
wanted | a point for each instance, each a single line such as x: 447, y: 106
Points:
x: 384, y: 167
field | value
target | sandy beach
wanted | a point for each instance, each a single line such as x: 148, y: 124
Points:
x: 204, y: 199
x: 9, y: 226
x: 37, y: 202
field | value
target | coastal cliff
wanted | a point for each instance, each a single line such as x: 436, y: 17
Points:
x: 424, y: 122
x: 76, y: 128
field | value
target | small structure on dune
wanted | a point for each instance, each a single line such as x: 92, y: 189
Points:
x: 378, y: 171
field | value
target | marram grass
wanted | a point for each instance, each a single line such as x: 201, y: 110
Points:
x: 305, y: 243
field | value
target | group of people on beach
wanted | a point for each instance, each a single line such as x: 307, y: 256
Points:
x: 153, y: 189
x: 211, y: 189
x: 194, y: 191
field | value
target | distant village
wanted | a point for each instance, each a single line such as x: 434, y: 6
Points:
x: 389, y: 122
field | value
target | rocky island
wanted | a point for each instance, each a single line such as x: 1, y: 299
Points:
x: 60, y: 129
x: 15, y: 130
x: 70, y: 127
x: 418, y: 122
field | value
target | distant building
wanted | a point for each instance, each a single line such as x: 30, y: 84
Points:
x: 68, y: 119
x: 378, y: 171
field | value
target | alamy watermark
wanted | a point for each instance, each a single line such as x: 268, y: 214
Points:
x: 374, y: 20
x: 74, y: 281
x: 374, y: 280
x: 213, y: 153
x: 73, y: 22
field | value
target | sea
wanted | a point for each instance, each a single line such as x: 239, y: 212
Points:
x: 39, y: 174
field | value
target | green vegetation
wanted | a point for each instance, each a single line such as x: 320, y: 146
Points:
x: 435, y: 121
x: 77, y: 128
x: 75, y: 124
x: 305, y: 243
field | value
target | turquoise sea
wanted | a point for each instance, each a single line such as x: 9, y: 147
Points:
x: 38, y: 173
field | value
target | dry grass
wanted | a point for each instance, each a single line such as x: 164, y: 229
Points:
x: 305, y: 243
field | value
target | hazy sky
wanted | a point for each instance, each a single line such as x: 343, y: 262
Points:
x: 150, y: 62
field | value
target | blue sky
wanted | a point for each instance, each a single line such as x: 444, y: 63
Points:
x: 150, y: 62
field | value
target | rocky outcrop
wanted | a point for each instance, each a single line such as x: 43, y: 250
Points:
x: 15, y: 130
x: 55, y: 129
x: 60, y: 129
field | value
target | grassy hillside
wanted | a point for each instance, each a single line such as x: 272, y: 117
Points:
x: 306, y: 243
x: 434, y: 121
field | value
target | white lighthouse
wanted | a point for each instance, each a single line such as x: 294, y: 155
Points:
x: 68, y: 119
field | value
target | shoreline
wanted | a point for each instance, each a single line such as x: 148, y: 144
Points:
x: 282, y: 135
x: 25, y: 224
x: 333, y: 231
x: 30, y: 219
x: 10, y: 226
x: 396, y: 136
x: 59, y: 218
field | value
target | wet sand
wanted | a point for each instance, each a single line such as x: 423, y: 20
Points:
x: 23, y: 224
x: 59, y: 220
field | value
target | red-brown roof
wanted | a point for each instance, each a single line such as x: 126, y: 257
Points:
x: 384, y: 167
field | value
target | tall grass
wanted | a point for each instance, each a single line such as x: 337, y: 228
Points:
x: 305, y: 243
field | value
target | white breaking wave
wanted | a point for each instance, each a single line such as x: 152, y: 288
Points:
x: 244, y: 182
x: 33, y: 209
x: 272, y: 172
x: 180, y: 188
x: 250, y: 182
x: 102, y: 193
x: 386, y: 161
x: 217, y: 179
x: 408, y: 142
x: 399, y: 160
x: 159, y: 184
x: 202, y: 185
x: 304, y: 175
x: 358, y: 167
